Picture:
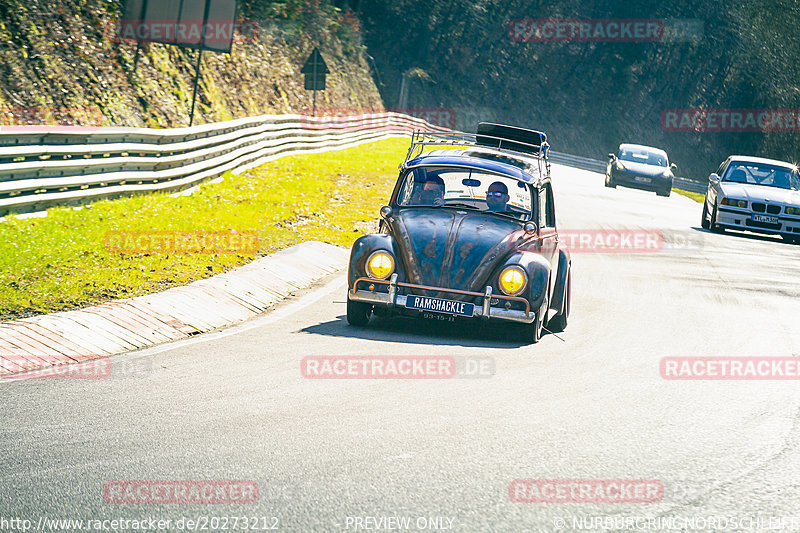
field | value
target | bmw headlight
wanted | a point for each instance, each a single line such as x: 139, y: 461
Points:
x: 380, y: 265
x: 793, y: 210
x: 666, y: 174
x: 512, y: 280
x: 619, y: 166
x: 733, y: 202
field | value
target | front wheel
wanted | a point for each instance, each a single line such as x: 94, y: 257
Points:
x: 610, y: 182
x: 704, y: 219
x: 358, y: 313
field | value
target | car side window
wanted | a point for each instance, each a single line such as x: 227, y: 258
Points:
x: 721, y: 168
x: 549, y: 207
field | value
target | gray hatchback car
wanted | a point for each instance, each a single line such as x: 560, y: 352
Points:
x: 640, y: 167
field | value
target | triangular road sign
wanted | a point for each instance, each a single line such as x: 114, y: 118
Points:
x: 315, y: 59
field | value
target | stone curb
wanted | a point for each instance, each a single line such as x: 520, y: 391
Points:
x: 37, y: 343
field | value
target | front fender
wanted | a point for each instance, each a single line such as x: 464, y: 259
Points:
x: 538, y: 270
x: 564, y: 265
x: 361, y: 250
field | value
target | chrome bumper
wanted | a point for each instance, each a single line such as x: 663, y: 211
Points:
x: 738, y: 220
x: 392, y: 299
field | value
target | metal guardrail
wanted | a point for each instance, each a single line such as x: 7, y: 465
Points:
x: 45, y: 166
x: 597, y: 165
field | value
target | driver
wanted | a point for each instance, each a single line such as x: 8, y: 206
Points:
x: 432, y: 191
x: 497, y: 196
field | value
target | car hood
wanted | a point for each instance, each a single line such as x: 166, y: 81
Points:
x: 642, y: 169
x: 760, y: 193
x: 444, y: 247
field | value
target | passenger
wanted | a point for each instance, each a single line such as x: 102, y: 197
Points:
x: 738, y: 176
x: 497, y: 196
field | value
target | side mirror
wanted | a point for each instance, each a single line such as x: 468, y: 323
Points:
x: 713, y: 178
x: 673, y: 166
x: 386, y: 212
x: 530, y: 227
x: 611, y: 156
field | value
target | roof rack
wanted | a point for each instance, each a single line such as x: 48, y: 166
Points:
x: 493, y: 143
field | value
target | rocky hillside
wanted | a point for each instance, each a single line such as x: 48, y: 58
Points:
x: 61, y: 63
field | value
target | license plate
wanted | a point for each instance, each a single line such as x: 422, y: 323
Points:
x: 642, y: 180
x: 438, y: 316
x: 766, y: 219
x: 438, y: 305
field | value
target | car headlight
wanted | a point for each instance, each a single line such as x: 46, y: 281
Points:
x: 733, y: 202
x: 380, y: 265
x: 793, y: 210
x: 619, y: 166
x: 666, y: 174
x: 512, y: 280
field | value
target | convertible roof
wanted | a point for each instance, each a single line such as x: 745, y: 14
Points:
x: 477, y: 160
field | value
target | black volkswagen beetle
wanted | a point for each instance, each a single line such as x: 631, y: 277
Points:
x: 469, y: 234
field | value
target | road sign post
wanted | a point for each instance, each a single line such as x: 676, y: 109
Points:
x: 314, y: 71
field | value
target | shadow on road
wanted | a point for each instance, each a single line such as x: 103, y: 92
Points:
x: 409, y: 331
x: 746, y: 235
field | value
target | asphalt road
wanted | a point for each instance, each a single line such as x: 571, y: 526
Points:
x: 233, y: 405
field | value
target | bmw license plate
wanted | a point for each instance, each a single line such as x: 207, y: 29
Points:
x: 438, y: 305
x: 766, y: 219
x: 640, y: 179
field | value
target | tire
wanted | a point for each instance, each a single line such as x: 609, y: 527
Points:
x: 713, y: 226
x: 558, y: 323
x: 358, y: 313
x: 610, y: 182
x: 790, y: 239
x: 531, y: 333
x: 665, y: 192
x: 704, y: 223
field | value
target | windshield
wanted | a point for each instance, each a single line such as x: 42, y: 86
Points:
x: 760, y: 174
x: 641, y: 155
x: 465, y: 188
